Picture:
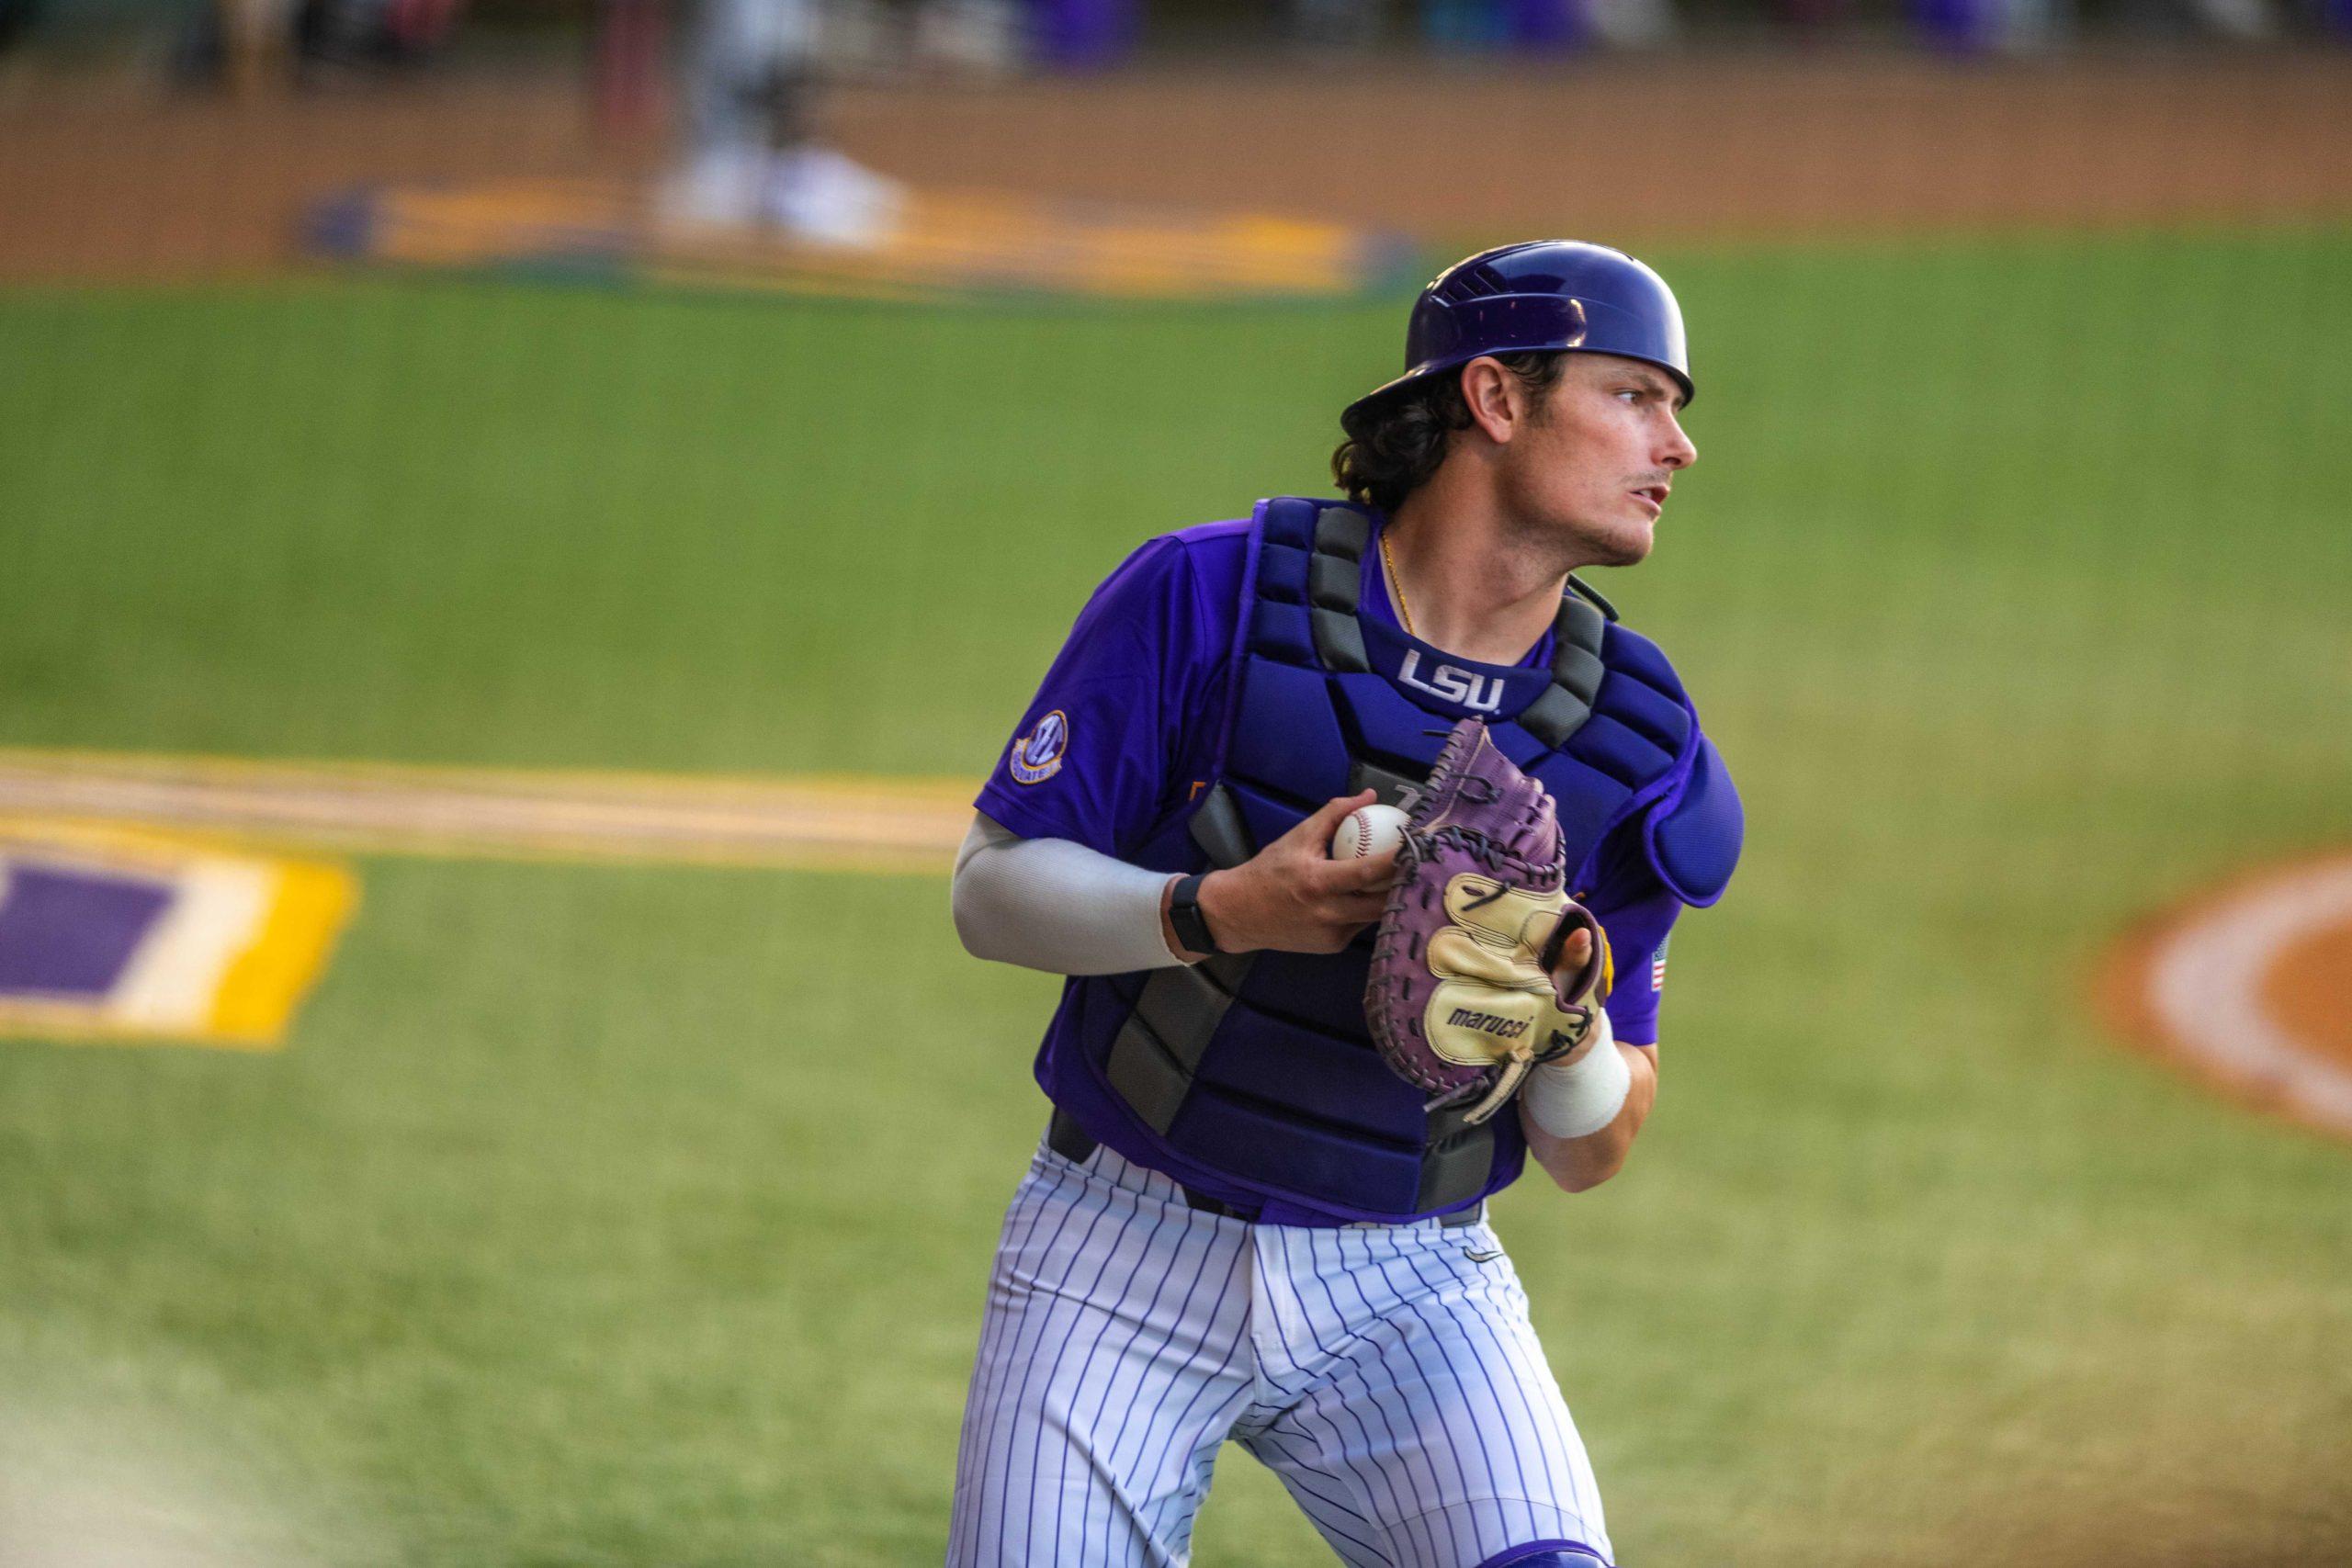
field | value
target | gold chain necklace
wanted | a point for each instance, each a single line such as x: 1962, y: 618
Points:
x: 1396, y: 589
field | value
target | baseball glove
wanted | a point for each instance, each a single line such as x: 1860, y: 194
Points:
x: 1465, y: 994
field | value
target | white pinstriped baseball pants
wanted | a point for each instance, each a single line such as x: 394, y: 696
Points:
x: 1389, y: 1377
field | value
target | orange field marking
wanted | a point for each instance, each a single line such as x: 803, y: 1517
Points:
x: 2309, y: 991
x: 2249, y: 987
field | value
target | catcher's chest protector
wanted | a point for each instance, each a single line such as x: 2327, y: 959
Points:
x: 1261, y: 1067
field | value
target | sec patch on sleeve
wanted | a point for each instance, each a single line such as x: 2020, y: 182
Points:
x: 1037, y: 756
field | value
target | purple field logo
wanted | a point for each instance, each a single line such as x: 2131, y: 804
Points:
x: 128, y: 935
x: 1037, y: 756
x: 71, y: 932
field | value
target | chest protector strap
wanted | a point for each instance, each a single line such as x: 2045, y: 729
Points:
x: 1159, y: 1048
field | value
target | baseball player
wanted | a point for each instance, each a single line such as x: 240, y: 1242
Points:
x: 755, y: 156
x: 1242, y: 1224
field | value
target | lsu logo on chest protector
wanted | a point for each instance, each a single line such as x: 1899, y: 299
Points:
x: 1037, y: 756
x: 1480, y: 693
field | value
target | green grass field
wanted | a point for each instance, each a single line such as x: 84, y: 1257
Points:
x: 626, y: 1216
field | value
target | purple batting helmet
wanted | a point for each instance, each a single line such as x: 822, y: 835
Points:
x: 1540, y: 295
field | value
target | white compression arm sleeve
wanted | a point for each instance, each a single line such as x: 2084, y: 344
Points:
x: 1054, y: 904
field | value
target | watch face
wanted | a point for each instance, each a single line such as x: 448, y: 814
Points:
x: 1185, y: 914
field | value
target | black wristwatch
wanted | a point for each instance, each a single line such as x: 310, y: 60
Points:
x: 1184, y: 916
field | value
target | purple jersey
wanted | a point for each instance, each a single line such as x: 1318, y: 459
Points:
x: 1128, y: 724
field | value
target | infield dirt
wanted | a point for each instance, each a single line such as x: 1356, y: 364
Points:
x: 119, y: 183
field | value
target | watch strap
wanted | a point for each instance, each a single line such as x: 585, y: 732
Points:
x: 1185, y: 918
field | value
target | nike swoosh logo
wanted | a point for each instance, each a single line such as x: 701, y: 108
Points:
x: 1482, y: 1257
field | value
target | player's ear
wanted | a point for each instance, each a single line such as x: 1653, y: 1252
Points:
x: 1489, y: 389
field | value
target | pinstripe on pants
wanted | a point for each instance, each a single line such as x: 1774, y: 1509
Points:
x: 1391, y: 1380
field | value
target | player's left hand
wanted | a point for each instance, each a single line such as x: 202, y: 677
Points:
x: 1509, y: 987
x: 1484, y: 966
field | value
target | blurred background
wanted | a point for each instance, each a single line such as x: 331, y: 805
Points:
x: 523, y: 523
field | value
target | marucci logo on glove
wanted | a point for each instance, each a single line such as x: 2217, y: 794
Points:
x: 1491, y: 1024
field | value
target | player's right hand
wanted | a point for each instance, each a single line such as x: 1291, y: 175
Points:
x: 1293, y: 896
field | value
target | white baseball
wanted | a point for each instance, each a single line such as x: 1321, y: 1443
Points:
x: 1369, y: 832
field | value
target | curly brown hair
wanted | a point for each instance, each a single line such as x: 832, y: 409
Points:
x: 1395, y: 443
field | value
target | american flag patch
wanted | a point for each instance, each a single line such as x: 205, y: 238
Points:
x: 1657, y: 967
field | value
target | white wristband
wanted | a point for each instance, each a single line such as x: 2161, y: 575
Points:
x: 1576, y: 1099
